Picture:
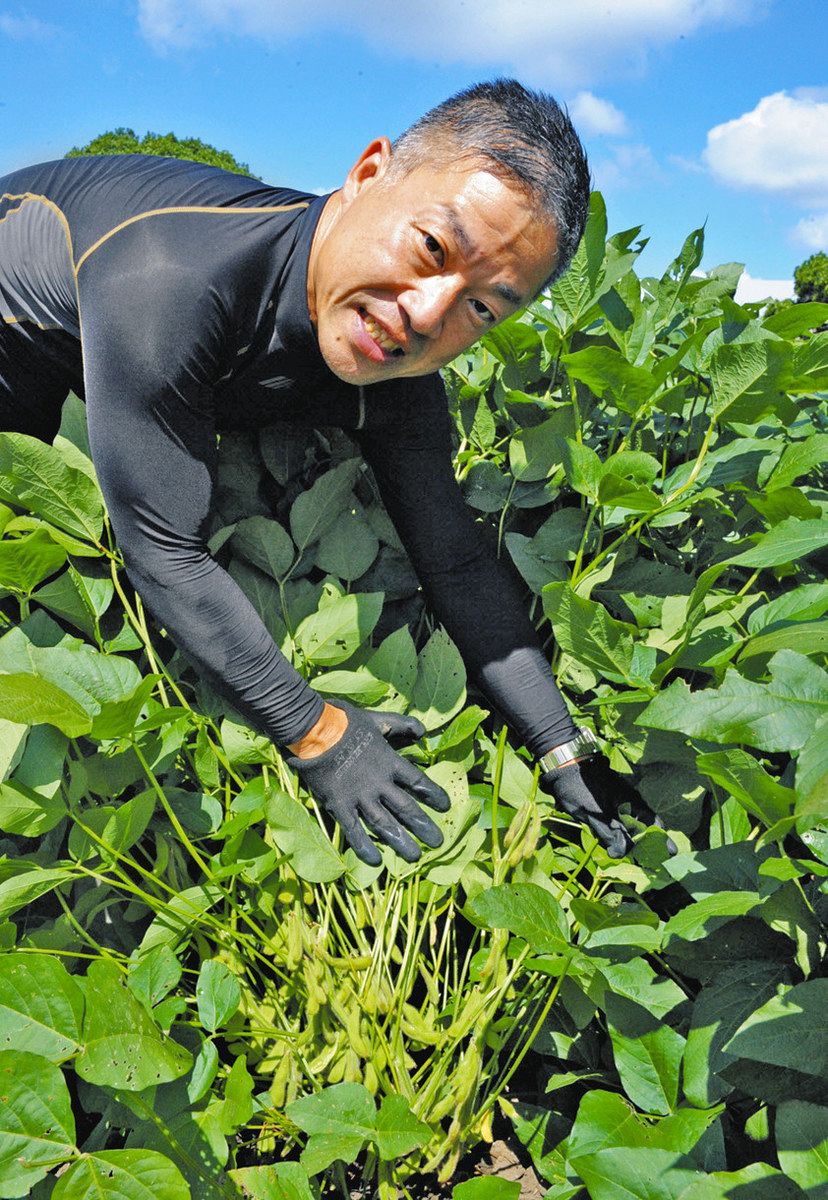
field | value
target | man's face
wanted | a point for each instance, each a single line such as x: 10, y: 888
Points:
x: 407, y: 272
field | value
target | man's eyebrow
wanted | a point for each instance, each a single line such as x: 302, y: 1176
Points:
x: 467, y: 249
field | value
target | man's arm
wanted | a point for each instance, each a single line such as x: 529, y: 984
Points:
x: 154, y: 342
x: 407, y: 442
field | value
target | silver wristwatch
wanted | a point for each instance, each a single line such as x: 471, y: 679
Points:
x: 583, y: 745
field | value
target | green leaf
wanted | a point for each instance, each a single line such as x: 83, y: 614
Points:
x: 217, y: 993
x: 199, y: 812
x: 542, y: 1132
x: 746, y: 378
x: 340, y: 1119
x: 786, y: 542
x: 238, y: 1105
x: 29, y: 885
x: 41, y: 1006
x: 359, y: 686
x: 32, y: 803
x: 178, y: 920
x: 440, y: 687
x: 485, y: 487
x: 265, y: 544
x: 349, y: 547
x: 31, y: 700
x: 332, y: 633
x: 283, y: 1181
x: 78, y: 598
x: 743, y: 777
x: 780, y: 715
x: 636, y: 980
x: 37, y: 477
x: 298, y: 835
x: 122, y: 1175
x: 154, y: 974
x: 718, y: 1011
x: 315, y: 510
x: 796, y: 319
x: 805, y: 603
x: 807, y: 637
x: 123, y: 1048
x: 608, y: 374
x: 486, y: 1189
x: 789, y: 1030
x: 798, y: 459
x: 525, y: 909
x: 13, y: 738
x: 398, y: 1130
x: 812, y: 779
x: 582, y: 468
x: 802, y: 1143
x: 643, y: 1173
x: 702, y: 916
x: 605, y: 1120
x: 395, y: 662
x: 25, y: 561
x: 647, y: 1055
x: 37, y: 1129
x: 584, y: 629
x: 118, y: 718
x: 534, y: 452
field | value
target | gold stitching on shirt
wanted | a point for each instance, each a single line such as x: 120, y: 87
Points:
x: 160, y: 212
x: 30, y: 321
x: 23, y: 197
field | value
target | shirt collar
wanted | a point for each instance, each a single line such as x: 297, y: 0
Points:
x: 293, y: 320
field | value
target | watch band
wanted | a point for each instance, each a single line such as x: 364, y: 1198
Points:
x: 583, y: 745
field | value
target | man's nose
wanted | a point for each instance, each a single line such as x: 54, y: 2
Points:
x: 428, y: 303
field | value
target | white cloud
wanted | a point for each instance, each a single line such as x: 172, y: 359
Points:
x: 557, y: 45
x: 25, y: 28
x: 628, y: 165
x: 591, y: 114
x: 749, y: 289
x: 780, y: 147
x: 812, y: 232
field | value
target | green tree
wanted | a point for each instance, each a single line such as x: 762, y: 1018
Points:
x: 811, y: 279
x: 126, y: 141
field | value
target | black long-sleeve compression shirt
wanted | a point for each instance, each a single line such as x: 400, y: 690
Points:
x: 173, y: 296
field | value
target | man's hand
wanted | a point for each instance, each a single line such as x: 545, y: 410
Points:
x: 360, y: 778
x: 591, y: 792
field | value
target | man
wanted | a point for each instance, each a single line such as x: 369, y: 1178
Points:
x: 181, y: 300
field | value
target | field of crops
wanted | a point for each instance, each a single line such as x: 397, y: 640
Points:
x: 202, y: 996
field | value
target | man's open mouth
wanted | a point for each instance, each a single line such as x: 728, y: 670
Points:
x: 379, y: 335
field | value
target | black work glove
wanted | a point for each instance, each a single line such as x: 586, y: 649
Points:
x: 362, y: 778
x: 590, y: 791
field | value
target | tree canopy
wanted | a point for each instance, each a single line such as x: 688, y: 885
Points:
x: 126, y: 141
x: 811, y: 279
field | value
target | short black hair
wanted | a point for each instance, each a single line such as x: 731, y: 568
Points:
x: 523, y: 135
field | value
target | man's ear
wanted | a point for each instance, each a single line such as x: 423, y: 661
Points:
x: 368, y: 168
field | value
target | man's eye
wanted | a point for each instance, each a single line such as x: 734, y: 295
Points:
x: 482, y: 311
x: 434, y: 248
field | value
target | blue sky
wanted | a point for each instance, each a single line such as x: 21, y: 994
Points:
x: 692, y: 111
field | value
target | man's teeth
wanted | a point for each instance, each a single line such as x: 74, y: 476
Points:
x: 379, y: 335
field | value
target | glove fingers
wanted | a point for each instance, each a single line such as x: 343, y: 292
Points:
x: 354, y: 834
x: 386, y: 827
x: 409, y: 813
x: 395, y: 725
x: 612, y: 836
x: 426, y: 790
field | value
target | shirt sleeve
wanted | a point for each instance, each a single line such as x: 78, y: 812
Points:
x: 155, y: 337
x: 478, y: 598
